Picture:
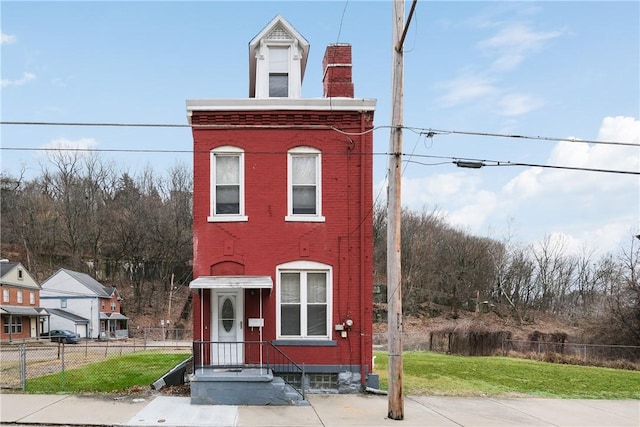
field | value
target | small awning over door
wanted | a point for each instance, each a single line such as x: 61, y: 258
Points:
x: 232, y: 282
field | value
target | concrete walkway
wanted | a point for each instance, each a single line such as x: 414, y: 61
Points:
x: 325, y: 410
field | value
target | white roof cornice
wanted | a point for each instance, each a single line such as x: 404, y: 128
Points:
x: 262, y: 104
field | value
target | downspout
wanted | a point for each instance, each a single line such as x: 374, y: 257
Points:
x: 363, y: 212
x: 261, y: 344
x: 202, y: 330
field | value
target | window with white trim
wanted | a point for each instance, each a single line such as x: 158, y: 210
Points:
x: 5, y: 295
x: 19, y: 297
x: 227, y: 184
x: 63, y: 303
x: 304, y: 301
x: 15, y: 326
x: 279, y: 72
x: 32, y: 297
x: 304, y: 191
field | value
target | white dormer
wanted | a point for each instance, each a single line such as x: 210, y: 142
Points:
x: 277, y: 60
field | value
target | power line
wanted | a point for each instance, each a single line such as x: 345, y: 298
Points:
x: 477, y: 163
x: 433, y: 132
x: 429, y: 132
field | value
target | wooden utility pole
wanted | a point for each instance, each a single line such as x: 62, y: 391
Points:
x: 394, y: 207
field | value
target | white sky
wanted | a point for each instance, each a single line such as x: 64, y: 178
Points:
x: 552, y: 69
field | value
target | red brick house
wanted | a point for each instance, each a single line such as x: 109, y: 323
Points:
x: 20, y: 312
x: 283, y: 225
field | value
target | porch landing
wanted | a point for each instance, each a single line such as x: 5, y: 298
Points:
x: 241, y: 386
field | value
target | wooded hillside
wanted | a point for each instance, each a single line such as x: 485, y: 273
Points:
x: 134, y: 231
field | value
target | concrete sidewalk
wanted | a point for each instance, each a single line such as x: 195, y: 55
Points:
x: 325, y: 410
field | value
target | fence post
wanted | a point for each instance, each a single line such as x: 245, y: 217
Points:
x: 302, y: 381
x: 23, y: 366
x: 585, y: 352
x: 62, y: 379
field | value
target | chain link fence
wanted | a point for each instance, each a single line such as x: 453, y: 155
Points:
x: 617, y: 356
x: 54, y: 366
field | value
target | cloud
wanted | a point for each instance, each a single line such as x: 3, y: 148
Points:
x: 518, y: 104
x: 26, y: 77
x: 7, y: 38
x: 466, y: 89
x: 583, y: 209
x: 512, y: 43
x: 589, y: 208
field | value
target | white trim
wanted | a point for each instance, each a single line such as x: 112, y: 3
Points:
x: 303, y: 218
x: 229, y: 151
x: 317, y: 155
x: 232, y: 282
x: 227, y: 218
x: 268, y: 104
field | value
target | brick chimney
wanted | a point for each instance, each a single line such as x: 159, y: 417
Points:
x: 336, y: 79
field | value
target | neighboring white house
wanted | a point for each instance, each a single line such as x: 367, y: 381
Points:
x: 81, y: 304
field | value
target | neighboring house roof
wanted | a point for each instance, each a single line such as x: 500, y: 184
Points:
x: 23, y: 311
x: 68, y: 315
x: 113, y: 316
x: 9, y: 275
x: 5, y: 267
x: 87, y: 281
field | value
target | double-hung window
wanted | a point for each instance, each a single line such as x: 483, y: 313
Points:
x: 32, y: 297
x: 304, y: 185
x: 14, y: 326
x: 19, y: 297
x: 279, y: 72
x: 304, y: 301
x: 5, y: 295
x: 227, y: 184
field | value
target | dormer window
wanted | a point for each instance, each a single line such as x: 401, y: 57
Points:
x: 278, y: 72
x: 277, y: 61
x: 20, y: 274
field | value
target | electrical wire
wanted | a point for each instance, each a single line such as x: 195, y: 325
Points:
x: 452, y: 159
x: 430, y: 132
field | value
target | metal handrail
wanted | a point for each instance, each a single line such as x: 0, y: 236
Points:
x: 242, y: 354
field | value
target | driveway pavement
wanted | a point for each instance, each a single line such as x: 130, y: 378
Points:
x: 324, y: 410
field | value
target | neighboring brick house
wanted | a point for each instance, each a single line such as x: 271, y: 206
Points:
x: 283, y: 250
x: 81, y: 304
x: 20, y: 311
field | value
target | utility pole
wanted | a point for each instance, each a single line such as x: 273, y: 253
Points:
x: 394, y: 207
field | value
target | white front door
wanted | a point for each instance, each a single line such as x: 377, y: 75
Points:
x: 226, y: 326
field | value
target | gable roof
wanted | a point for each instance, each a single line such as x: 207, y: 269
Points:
x: 6, y: 267
x: 279, y: 29
x: 87, y: 281
x: 8, y: 277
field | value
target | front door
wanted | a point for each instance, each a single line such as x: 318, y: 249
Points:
x: 226, y: 326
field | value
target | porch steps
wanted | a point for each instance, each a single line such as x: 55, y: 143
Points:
x: 248, y: 386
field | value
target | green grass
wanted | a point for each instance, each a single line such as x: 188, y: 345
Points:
x: 111, y: 375
x: 439, y: 374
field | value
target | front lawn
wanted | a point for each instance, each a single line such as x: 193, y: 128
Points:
x: 112, y: 375
x: 439, y: 374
